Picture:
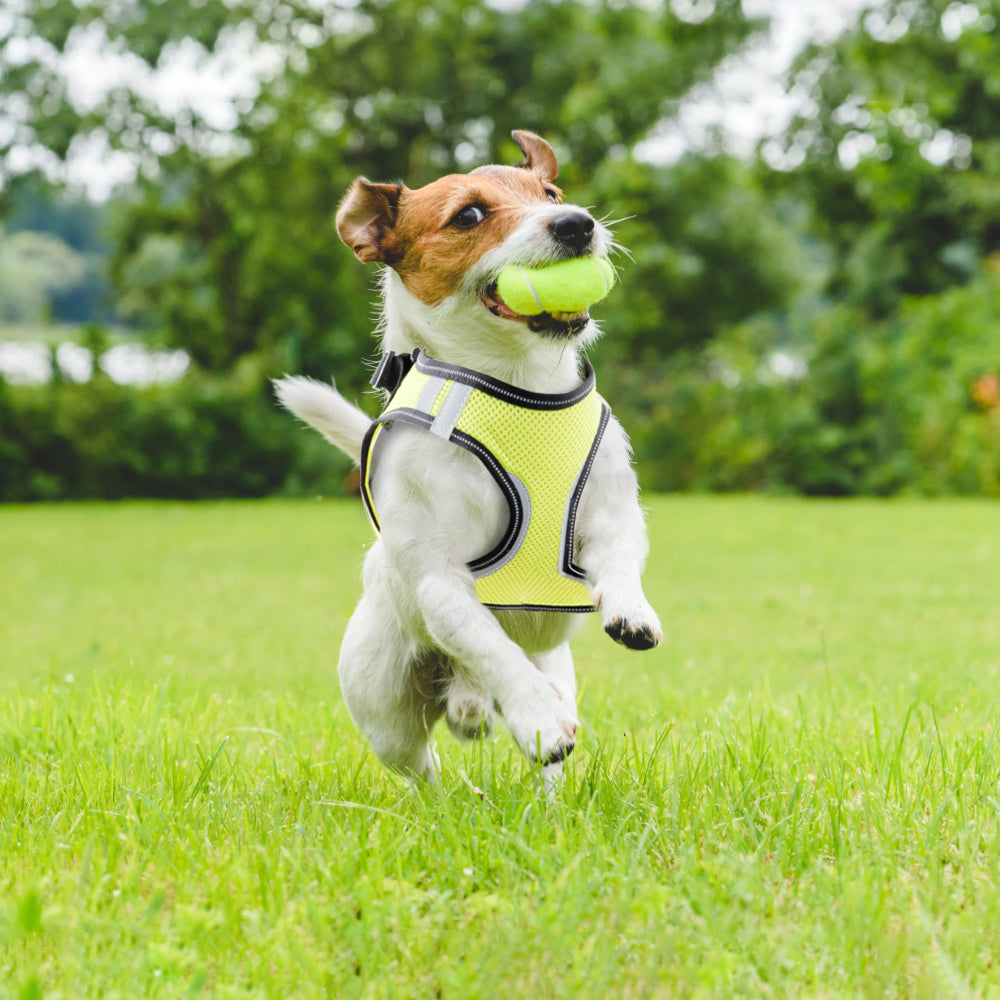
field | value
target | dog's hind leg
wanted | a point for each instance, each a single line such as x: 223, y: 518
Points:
x: 469, y: 712
x: 387, y: 699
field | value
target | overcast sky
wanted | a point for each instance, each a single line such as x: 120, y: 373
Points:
x: 748, y: 100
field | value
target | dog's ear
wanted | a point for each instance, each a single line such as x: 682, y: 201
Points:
x: 366, y: 215
x: 538, y: 155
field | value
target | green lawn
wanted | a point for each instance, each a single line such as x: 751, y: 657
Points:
x: 798, y: 794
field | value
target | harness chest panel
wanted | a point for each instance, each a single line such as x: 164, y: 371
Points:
x: 538, y: 448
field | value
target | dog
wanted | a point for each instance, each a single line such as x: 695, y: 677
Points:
x: 429, y: 636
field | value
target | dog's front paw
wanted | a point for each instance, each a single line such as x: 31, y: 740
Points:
x: 542, y: 722
x: 634, y: 635
x: 634, y: 624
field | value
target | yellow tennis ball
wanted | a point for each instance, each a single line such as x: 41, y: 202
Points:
x: 568, y: 286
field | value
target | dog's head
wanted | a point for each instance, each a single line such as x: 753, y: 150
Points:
x: 446, y: 242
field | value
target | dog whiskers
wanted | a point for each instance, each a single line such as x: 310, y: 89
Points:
x: 606, y: 220
x: 617, y: 247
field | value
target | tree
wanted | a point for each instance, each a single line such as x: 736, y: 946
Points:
x: 709, y: 250
x: 79, y: 224
x: 900, y: 148
x: 34, y: 267
x: 403, y: 83
x: 233, y: 251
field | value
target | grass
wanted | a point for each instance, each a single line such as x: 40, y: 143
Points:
x: 796, y: 796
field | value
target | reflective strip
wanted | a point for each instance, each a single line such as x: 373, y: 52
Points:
x: 451, y: 410
x: 429, y: 393
x: 569, y: 568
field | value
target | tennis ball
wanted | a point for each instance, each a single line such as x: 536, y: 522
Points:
x: 568, y: 286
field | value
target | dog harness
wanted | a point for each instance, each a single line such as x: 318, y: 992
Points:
x: 538, y: 448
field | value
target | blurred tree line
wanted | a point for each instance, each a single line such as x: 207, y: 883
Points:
x: 53, y: 259
x: 821, y: 318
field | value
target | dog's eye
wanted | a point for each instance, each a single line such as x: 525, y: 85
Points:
x: 469, y: 217
x: 551, y: 195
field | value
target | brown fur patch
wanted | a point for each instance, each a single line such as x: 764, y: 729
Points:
x: 429, y: 253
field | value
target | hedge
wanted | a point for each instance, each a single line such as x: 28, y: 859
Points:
x: 199, y: 437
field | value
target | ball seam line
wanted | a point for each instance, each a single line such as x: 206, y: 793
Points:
x: 531, y: 288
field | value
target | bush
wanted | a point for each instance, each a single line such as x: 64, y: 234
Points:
x: 199, y: 437
x: 946, y: 359
x: 910, y: 404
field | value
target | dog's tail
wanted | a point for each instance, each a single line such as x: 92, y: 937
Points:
x: 322, y: 407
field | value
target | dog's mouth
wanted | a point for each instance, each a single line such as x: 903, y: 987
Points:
x: 551, y: 324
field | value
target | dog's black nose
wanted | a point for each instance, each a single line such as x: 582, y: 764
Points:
x: 575, y: 229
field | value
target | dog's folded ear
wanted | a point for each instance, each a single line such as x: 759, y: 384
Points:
x: 538, y: 155
x: 365, y: 217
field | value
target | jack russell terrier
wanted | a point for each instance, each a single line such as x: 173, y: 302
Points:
x: 498, y: 481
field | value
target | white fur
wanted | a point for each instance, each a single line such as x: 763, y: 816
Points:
x: 420, y: 644
x: 322, y: 407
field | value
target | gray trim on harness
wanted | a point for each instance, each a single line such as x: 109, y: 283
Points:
x: 568, y: 568
x: 425, y: 401
x: 451, y: 407
x: 514, y: 546
x: 451, y: 410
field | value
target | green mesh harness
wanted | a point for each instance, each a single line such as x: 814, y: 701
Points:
x: 538, y: 448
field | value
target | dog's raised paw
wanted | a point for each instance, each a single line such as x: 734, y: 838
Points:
x: 633, y: 635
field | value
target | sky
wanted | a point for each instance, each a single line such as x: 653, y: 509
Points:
x: 747, y: 100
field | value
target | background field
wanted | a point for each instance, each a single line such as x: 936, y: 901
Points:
x: 797, y: 795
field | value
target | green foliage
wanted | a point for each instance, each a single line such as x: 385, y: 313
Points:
x: 708, y: 251
x: 901, y: 405
x: 53, y: 258
x: 900, y: 147
x: 832, y: 404
x: 199, y: 437
x: 34, y: 268
x: 224, y: 254
x: 392, y: 86
x: 945, y: 360
x: 869, y: 261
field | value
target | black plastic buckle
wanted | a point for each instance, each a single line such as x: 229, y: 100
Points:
x: 392, y: 369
